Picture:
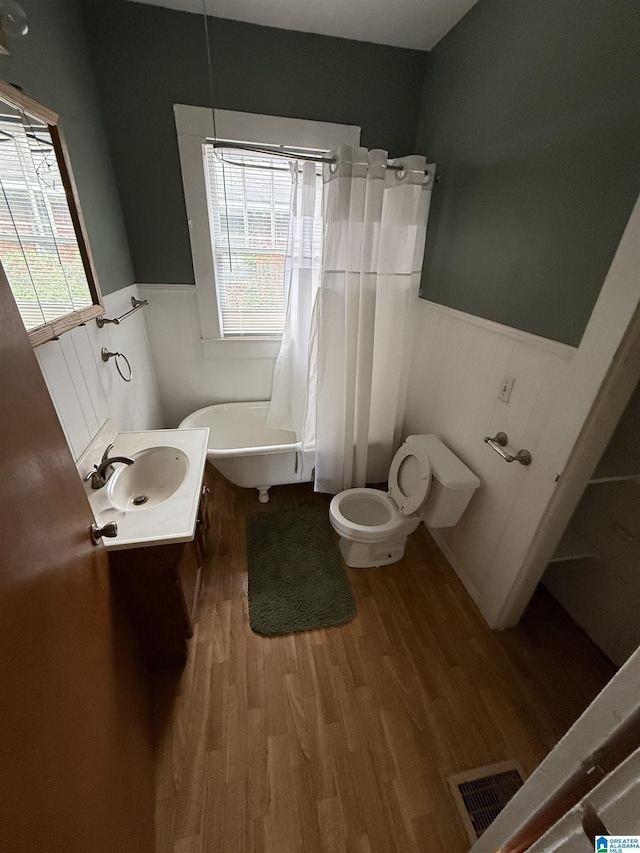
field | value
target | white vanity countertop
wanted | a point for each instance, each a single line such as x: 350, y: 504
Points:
x: 170, y: 521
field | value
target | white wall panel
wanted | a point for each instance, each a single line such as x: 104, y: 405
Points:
x: 89, y: 360
x: 513, y: 524
x: 86, y: 391
x: 457, y: 368
x: 595, y: 387
x: 70, y: 355
x: 191, y: 374
x: 65, y: 396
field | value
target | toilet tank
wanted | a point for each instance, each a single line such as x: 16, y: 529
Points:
x: 452, y: 484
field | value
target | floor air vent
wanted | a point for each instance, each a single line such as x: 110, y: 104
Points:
x: 481, y: 794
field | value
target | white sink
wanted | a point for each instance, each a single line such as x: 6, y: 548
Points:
x: 156, y: 474
x: 166, y: 477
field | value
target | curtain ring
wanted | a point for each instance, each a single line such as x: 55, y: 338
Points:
x: 106, y: 355
x: 400, y: 173
x: 427, y: 178
x: 333, y: 165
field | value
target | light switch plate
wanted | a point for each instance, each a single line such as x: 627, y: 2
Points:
x: 506, y: 387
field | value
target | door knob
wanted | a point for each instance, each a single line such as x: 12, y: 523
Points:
x: 109, y: 530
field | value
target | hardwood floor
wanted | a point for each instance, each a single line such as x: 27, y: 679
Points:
x: 340, y: 739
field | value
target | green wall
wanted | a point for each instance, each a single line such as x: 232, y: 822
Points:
x: 532, y: 112
x: 52, y: 65
x: 147, y: 58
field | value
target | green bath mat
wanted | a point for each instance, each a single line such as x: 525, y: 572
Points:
x: 297, y: 581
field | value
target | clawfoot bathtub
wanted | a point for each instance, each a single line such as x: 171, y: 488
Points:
x: 244, y: 450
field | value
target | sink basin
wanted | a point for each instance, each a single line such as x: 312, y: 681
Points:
x: 157, y: 473
x: 155, y: 500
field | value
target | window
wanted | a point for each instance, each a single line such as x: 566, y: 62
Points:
x: 249, y: 197
x: 43, y: 246
x: 240, y: 288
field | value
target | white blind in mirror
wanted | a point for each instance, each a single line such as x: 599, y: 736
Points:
x: 38, y: 245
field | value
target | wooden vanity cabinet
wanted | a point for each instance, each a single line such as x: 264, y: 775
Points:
x: 160, y: 585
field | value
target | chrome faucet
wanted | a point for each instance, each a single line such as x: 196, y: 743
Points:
x: 100, y: 476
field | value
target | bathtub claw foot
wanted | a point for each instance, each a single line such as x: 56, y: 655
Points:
x: 263, y: 494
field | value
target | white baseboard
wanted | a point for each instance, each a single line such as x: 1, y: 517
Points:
x: 455, y: 564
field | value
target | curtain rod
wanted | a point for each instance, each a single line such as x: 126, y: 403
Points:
x: 286, y: 152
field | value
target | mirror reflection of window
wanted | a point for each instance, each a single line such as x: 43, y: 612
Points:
x: 43, y: 246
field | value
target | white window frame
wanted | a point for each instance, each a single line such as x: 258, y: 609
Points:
x: 194, y: 127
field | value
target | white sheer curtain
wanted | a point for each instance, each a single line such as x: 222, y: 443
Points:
x: 375, y: 223
x: 302, y: 278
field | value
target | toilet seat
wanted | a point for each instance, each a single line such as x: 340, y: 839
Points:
x: 369, y: 515
x: 409, y: 477
x: 347, y: 524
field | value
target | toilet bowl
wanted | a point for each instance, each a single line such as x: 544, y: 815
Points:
x: 427, y: 482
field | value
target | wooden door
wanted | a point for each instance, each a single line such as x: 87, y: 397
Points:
x: 76, y: 762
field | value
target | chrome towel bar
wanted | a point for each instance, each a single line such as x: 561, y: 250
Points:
x: 499, y: 441
x: 135, y: 305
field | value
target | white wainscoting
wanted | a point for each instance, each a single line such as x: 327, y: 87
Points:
x: 193, y: 373
x: 86, y: 391
x: 457, y: 367
x: 508, y: 534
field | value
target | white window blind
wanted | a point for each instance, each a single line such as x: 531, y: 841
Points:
x: 249, y: 200
x: 38, y: 245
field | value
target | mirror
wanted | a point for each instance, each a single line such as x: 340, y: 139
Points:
x: 43, y: 244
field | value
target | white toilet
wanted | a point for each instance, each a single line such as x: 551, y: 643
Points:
x: 427, y: 482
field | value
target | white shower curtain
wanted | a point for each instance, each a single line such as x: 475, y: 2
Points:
x: 375, y: 223
x: 302, y: 278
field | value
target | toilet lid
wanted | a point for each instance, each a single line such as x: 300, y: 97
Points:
x: 409, y: 478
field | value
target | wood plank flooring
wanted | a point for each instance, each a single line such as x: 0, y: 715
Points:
x: 340, y: 739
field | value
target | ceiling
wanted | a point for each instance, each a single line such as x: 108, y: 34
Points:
x: 403, y: 23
